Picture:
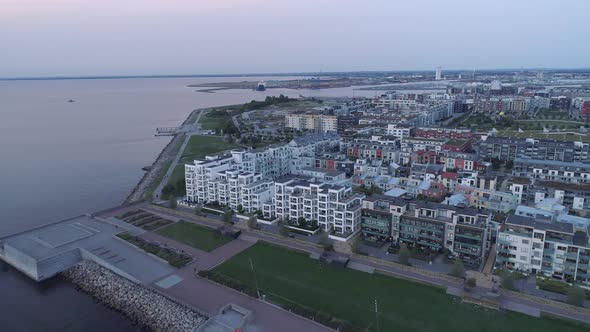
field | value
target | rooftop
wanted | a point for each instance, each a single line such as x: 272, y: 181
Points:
x: 55, y: 247
x: 541, y: 225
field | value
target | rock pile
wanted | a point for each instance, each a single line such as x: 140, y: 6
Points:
x: 143, y: 306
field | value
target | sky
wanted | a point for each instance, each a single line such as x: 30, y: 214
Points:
x: 140, y: 37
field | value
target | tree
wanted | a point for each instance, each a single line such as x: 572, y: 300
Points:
x: 471, y: 283
x: 252, y: 222
x: 507, y: 281
x: 198, y: 209
x: 283, y: 229
x: 227, y: 216
x: 240, y: 208
x: 355, y: 245
x: 168, y: 190
x: 301, y: 221
x: 172, y: 202
x: 404, y: 254
x: 325, y: 241
x: 496, y: 163
x: 458, y: 269
x: 509, y: 164
x: 576, y: 296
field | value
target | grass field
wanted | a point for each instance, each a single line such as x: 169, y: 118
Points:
x: 538, y: 134
x: 197, y: 147
x: 216, y: 119
x: 286, y: 276
x: 173, y: 258
x: 196, y: 236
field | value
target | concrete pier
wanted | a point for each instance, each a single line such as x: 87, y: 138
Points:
x: 45, y: 251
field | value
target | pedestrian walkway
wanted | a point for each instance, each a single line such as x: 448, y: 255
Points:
x: 379, y: 264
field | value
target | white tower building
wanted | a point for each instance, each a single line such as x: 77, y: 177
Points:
x: 438, y: 76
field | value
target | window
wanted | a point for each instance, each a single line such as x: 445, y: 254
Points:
x: 525, y: 241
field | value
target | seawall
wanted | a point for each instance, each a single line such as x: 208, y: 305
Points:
x: 141, y: 305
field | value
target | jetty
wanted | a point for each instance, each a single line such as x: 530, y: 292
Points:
x: 44, y: 251
x: 167, y: 131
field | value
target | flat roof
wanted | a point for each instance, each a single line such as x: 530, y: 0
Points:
x: 326, y: 171
x: 96, y: 237
x: 542, y: 225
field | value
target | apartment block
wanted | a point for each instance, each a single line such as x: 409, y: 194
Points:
x: 508, y: 148
x: 465, y: 232
x: 551, y: 170
x: 335, y: 207
x: 399, y: 130
x: 555, y: 249
x: 313, y: 122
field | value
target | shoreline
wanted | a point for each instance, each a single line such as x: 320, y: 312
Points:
x: 166, y: 155
x: 144, y: 307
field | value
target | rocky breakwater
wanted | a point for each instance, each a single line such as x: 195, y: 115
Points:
x: 142, y: 305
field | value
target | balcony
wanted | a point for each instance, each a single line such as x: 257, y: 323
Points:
x: 469, y: 236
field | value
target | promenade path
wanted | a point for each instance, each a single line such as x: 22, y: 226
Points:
x: 383, y: 266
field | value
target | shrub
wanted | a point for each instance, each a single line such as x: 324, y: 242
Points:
x: 507, y: 281
x: 404, y: 255
x: 458, y: 269
x: 576, y: 296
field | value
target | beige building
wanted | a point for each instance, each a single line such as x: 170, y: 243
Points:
x: 313, y: 122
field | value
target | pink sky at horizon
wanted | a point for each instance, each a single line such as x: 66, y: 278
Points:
x: 127, y: 37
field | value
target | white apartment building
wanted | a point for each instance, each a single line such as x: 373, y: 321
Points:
x: 399, y: 131
x: 244, y: 177
x: 333, y: 206
x: 221, y: 181
x: 555, y: 249
x: 314, y: 122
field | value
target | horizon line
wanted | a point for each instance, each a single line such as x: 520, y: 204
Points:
x: 328, y: 73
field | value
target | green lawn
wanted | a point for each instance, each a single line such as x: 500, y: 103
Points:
x: 200, y: 146
x: 194, y: 235
x: 287, y: 276
x: 217, y: 119
x: 173, y: 258
x: 197, y: 147
x: 538, y: 134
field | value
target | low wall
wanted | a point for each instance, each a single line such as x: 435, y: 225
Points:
x: 304, y: 230
x: 91, y: 257
x: 50, y: 266
x: 20, y: 261
x: 260, y: 221
x: 341, y: 239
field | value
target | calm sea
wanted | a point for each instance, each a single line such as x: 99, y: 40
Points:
x: 59, y: 159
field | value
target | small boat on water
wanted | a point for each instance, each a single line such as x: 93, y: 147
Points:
x: 261, y: 86
x: 71, y: 101
x: 146, y: 168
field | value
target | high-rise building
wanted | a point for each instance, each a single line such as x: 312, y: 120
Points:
x: 438, y: 73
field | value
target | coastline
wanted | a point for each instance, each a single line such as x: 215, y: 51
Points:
x: 143, y: 306
x: 158, y: 166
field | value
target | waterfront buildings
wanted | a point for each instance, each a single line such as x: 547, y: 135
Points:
x: 559, y: 250
x: 334, y: 207
x: 465, y: 232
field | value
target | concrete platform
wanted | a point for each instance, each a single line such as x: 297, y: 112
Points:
x: 45, y: 251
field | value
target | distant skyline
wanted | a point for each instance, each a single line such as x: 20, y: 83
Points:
x: 48, y: 38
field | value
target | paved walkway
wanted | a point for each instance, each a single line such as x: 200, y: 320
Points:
x: 383, y: 266
x: 210, y: 297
